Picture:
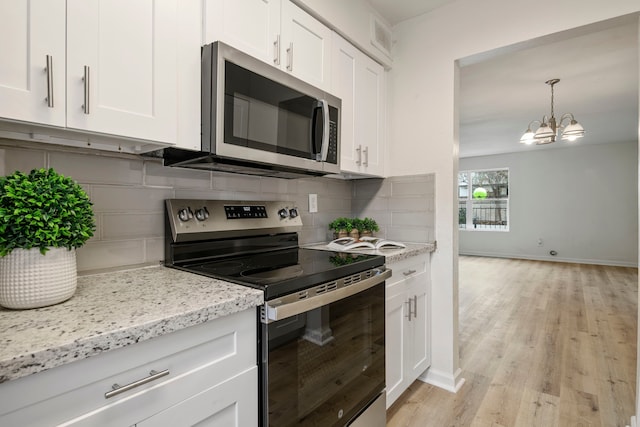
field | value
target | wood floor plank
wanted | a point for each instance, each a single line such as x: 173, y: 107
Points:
x: 541, y: 344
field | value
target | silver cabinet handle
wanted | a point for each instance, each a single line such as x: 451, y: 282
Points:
x: 85, y: 79
x: 276, y: 50
x: 359, y: 151
x: 117, y: 389
x: 408, y: 272
x: 49, y: 70
x: 290, y: 57
x: 366, y: 156
x: 409, y: 309
x: 415, y: 307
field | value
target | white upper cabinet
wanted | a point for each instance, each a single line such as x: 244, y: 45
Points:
x: 122, y: 67
x: 360, y: 82
x: 32, y: 61
x: 253, y: 26
x: 274, y: 31
x: 115, y: 67
x: 305, y: 46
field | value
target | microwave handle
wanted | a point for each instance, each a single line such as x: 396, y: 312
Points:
x: 324, y: 148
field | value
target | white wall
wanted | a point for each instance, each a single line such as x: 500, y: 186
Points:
x: 582, y: 201
x: 423, y: 85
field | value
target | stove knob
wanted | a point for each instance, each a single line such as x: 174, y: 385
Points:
x: 293, y: 212
x: 185, y: 214
x: 202, y: 213
x: 283, y: 213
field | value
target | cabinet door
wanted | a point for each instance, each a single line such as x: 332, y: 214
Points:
x: 395, y: 340
x: 360, y: 82
x: 232, y: 403
x: 305, y: 46
x: 253, y: 26
x: 370, y: 114
x: 29, y: 90
x: 418, y: 353
x: 343, y: 85
x: 122, y: 64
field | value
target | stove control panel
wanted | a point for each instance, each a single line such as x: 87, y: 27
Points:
x: 246, y: 211
x: 191, y: 219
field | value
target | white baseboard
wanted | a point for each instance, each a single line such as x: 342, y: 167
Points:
x: 552, y: 258
x: 443, y: 380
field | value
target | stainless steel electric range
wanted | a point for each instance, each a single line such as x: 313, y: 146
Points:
x: 321, y: 328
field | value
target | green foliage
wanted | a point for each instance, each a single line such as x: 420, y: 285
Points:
x: 370, y: 224
x: 349, y: 224
x: 41, y: 210
x: 341, y: 223
x: 358, y: 224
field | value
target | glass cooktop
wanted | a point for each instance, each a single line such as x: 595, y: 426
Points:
x: 285, y: 271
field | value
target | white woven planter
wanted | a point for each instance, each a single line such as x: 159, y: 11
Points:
x: 29, y: 279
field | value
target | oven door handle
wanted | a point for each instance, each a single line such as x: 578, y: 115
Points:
x: 277, y: 310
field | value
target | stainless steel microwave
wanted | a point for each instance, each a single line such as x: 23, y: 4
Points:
x: 261, y: 120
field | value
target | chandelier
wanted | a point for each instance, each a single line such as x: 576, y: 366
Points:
x: 549, y: 128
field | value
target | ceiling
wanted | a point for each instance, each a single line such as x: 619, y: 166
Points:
x: 396, y: 11
x: 503, y: 90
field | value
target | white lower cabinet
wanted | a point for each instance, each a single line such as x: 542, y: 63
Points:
x: 408, y: 324
x: 211, y: 380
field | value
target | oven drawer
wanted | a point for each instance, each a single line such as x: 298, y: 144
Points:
x: 195, y: 358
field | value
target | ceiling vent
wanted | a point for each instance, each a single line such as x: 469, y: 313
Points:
x: 380, y: 35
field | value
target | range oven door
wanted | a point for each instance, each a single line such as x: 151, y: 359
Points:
x: 325, y: 365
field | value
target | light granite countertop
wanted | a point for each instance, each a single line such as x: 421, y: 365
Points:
x: 390, y: 254
x: 112, y: 310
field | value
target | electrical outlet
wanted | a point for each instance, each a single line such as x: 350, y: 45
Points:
x: 313, y: 203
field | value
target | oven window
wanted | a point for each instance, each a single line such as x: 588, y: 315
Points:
x: 326, y: 365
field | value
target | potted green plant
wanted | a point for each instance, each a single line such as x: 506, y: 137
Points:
x: 44, y: 217
x: 369, y: 226
x: 341, y: 227
x: 358, y: 227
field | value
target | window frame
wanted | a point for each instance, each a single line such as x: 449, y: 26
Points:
x: 468, y: 201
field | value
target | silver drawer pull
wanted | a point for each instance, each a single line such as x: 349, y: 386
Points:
x: 408, y: 272
x: 117, y: 388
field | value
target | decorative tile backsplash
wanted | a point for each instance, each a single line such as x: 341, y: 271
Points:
x: 128, y: 193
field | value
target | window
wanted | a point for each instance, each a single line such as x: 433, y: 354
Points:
x: 483, y: 200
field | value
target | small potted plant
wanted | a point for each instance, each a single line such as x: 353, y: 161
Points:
x: 358, y: 228
x: 369, y: 226
x: 341, y: 227
x: 44, y: 217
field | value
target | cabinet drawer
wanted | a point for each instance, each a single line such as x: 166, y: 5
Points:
x: 406, y: 268
x: 231, y: 403
x: 196, y: 358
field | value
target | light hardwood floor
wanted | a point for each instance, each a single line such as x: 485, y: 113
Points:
x: 541, y: 344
